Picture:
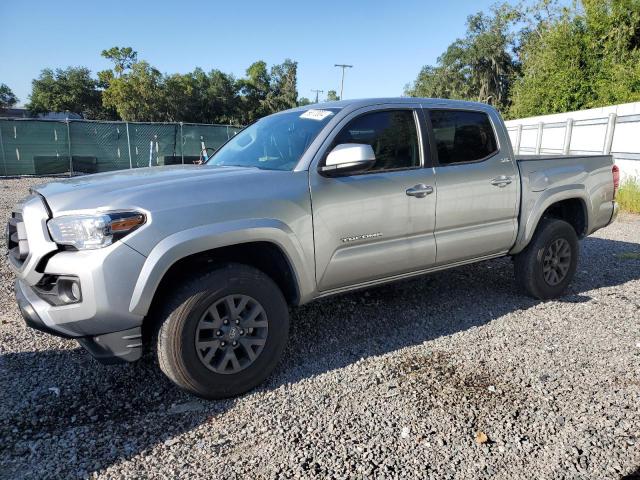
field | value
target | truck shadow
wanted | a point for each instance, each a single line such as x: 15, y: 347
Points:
x: 106, y: 415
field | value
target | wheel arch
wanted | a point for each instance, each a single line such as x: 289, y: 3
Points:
x: 270, y: 247
x: 568, y: 204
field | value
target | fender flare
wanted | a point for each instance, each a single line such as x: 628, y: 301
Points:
x: 530, y: 219
x: 209, y: 237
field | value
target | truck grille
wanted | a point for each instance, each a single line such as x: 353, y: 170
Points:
x: 17, y: 243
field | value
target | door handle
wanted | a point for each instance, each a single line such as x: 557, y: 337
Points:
x: 502, y: 181
x: 419, y: 191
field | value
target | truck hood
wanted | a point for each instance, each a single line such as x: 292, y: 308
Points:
x: 135, y: 187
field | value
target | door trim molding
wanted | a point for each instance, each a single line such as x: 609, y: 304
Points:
x: 404, y: 276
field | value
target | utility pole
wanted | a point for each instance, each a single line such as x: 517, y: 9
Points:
x: 343, y: 66
x: 317, y: 92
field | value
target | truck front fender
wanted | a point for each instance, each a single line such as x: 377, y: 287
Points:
x: 209, y: 237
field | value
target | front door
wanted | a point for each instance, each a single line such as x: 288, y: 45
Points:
x: 375, y: 224
x: 477, y: 212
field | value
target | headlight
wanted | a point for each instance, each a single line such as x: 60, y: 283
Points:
x: 86, y: 232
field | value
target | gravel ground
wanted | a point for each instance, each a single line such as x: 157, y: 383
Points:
x: 454, y: 375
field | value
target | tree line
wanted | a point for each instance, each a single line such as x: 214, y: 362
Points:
x: 543, y: 58
x: 133, y: 90
x: 525, y: 59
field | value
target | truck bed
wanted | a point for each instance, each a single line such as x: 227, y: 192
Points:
x: 545, y: 179
x: 558, y: 157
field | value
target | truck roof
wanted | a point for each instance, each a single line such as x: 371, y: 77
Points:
x: 431, y: 102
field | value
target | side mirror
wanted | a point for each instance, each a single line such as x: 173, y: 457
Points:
x: 348, y: 158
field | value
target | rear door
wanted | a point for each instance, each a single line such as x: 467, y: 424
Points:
x: 372, y: 225
x: 476, y: 212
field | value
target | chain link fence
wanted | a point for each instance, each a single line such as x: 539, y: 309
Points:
x: 46, y: 147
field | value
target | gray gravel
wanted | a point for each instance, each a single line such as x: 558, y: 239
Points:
x: 397, y: 381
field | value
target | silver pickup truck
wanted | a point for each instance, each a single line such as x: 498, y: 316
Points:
x: 200, y: 263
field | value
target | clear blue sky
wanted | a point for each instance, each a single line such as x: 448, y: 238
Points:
x: 386, y: 41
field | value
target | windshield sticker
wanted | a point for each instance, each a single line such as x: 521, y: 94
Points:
x: 316, y: 114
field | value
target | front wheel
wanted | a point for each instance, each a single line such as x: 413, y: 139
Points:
x: 223, y: 332
x: 546, y: 267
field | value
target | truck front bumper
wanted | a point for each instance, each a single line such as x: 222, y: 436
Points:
x: 97, y: 314
x: 112, y: 347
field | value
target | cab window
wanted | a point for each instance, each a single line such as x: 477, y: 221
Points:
x: 391, y: 133
x: 462, y: 136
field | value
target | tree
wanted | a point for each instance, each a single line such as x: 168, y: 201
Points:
x: 584, y: 58
x: 65, y: 90
x: 613, y: 42
x: 302, y: 101
x: 138, y: 95
x: 332, y: 96
x: 139, y: 92
x: 487, y: 48
x: 7, y: 97
x: 480, y: 66
x: 263, y: 92
x: 221, y: 97
x: 122, y: 57
x: 283, y: 92
x: 449, y: 79
x: 182, y: 94
x: 254, y: 90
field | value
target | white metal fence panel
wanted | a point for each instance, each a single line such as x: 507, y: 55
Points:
x: 611, y: 130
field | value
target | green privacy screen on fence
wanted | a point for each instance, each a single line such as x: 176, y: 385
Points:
x: 43, y: 147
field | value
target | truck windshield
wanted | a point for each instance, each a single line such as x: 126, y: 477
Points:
x: 276, y: 142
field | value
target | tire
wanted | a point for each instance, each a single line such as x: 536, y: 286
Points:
x: 534, y: 266
x: 197, y: 312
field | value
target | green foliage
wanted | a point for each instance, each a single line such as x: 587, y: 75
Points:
x: 283, y: 92
x: 629, y: 195
x: 263, y: 92
x: 141, y: 93
x: 553, y: 78
x: 201, y: 98
x: 134, y: 90
x: 66, y: 90
x: 122, y: 57
x: 332, y: 96
x: 542, y: 58
x: 7, y: 98
x: 302, y: 101
x: 254, y: 89
x: 480, y: 66
x: 138, y: 95
x: 587, y: 58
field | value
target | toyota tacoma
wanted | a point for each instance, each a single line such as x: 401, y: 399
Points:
x: 200, y: 264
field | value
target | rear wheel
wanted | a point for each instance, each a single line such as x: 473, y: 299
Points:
x: 546, y: 267
x: 223, y: 332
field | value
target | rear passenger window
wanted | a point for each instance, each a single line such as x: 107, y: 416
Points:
x: 391, y: 133
x: 462, y: 136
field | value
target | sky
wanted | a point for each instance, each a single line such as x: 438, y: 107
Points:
x: 387, y: 42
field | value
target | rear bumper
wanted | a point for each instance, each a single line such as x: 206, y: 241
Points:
x: 614, y: 213
x: 113, y: 347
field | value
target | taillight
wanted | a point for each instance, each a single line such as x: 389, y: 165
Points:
x: 615, y: 171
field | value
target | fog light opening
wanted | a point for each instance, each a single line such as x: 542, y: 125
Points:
x: 69, y: 290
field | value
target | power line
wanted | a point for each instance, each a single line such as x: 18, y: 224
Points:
x: 317, y: 92
x: 343, y: 66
